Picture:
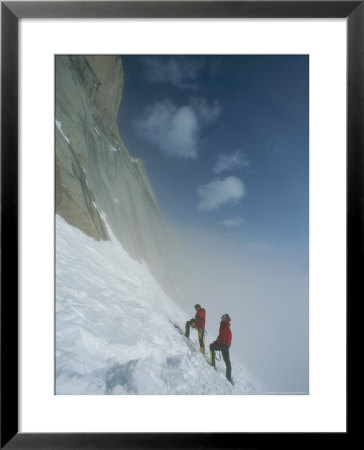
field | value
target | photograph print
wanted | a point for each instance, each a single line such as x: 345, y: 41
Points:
x: 182, y: 224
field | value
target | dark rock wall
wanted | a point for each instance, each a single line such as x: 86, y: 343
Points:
x: 100, y: 188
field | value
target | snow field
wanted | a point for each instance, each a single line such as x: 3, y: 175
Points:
x: 115, y: 328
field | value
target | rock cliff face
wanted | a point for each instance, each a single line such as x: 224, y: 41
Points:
x: 99, y: 185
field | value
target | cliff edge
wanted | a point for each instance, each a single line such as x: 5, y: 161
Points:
x: 100, y: 187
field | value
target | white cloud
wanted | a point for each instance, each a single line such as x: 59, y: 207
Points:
x: 175, y: 130
x: 233, y: 222
x: 207, y: 113
x: 230, y: 161
x: 220, y: 192
x: 180, y: 71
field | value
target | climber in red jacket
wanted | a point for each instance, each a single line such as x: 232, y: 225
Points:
x: 222, y: 344
x: 199, y: 323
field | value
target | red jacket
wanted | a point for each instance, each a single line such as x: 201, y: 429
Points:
x: 200, y: 318
x: 225, y: 335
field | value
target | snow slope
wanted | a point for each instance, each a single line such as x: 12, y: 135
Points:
x: 115, y: 328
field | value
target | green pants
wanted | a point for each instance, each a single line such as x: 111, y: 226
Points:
x: 224, y: 349
x: 201, y: 332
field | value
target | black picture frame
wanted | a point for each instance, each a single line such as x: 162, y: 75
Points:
x: 11, y: 13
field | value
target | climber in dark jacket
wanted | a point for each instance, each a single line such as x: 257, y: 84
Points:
x: 199, y: 323
x: 222, y: 344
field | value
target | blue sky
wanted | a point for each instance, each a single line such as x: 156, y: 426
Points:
x: 225, y: 142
